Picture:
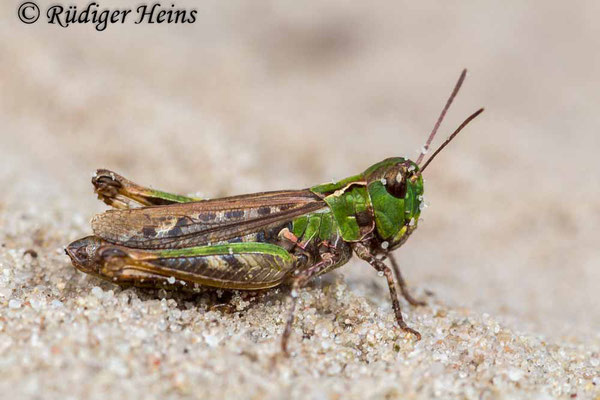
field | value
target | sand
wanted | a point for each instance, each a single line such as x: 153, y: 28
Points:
x: 268, y: 96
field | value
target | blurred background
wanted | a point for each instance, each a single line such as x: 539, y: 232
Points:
x: 269, y: 95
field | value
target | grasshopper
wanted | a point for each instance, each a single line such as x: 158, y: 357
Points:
x: 261, y: 240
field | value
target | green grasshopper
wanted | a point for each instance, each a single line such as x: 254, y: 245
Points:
x: 261, y: 240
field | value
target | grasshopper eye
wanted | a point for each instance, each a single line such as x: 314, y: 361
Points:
x: 396, y: 184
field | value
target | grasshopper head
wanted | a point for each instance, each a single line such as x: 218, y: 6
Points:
x: 395, y: 186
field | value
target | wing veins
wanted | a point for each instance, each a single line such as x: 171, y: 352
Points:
x: 138, y: 227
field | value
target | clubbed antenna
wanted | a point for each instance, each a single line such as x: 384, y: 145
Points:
x: 465, y: 123
x: 461, y: 79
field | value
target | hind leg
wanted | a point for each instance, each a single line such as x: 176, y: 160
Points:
x: 118, y: 192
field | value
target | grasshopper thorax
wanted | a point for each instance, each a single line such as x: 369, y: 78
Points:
x: 395, y: 188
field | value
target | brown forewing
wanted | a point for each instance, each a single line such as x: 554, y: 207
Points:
x: 202, y: 222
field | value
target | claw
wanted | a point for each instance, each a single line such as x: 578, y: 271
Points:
x: 412, y: 300
x: 284, y: 347
x: 414, y: 332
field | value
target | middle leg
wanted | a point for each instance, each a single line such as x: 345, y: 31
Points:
x: 299, y: 281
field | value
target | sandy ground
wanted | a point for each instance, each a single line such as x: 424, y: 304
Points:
x: 263, y: 96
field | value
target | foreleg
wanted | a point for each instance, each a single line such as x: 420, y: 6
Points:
x: 363, y: 252
x: 402, y: 284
